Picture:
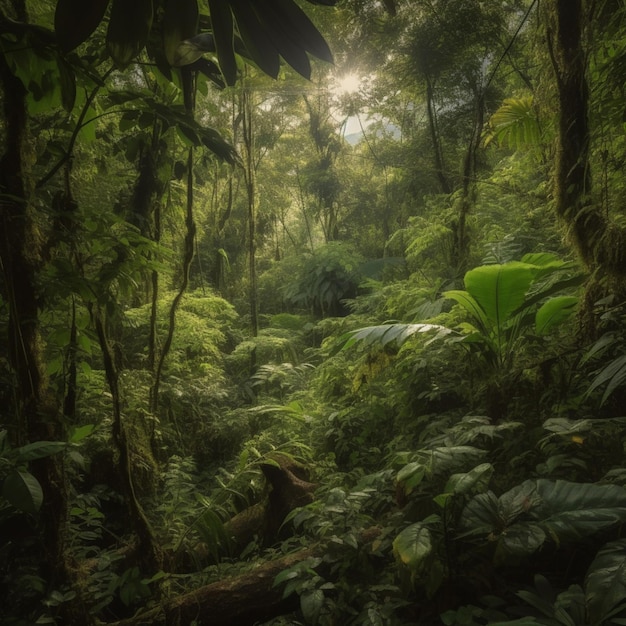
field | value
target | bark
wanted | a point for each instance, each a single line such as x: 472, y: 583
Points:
x: 36, y: 409
x: 461, y: 244
x: 288, y: 489
x: 149, y: 553
x: 20, y: 257
x: 600, y: 243
x: 434, y: 135
x: 250, y: 178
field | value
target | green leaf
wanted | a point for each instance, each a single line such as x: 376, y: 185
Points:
x: 67, y: 81
x: 294, y: 23
x: 311, y: 603
x: 80, y: 432
x: 500, y: 289
x: 571, y: 511
x: 75, y: 20
x: 472, y: 307
x: 413, y: 546
x: 23, y: 491
x: 190, y: 50
x: 554, y: 312
x: 515, y: 123
x: 411, y: 475
x: 223, y: 32
x: 605, y: 583
x: 388, y: 333
x: 180, y: 22
x: 129, y: 27
x: 212, y: 140
x: 39, y: 450
x: 614, y: 374
x: 476, y: 479
x: 256, y: 40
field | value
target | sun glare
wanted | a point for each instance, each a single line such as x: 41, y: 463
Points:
x: 347, y: 84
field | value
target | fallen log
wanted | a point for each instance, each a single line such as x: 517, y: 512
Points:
x: 288, y: 488
x: 238, y: 601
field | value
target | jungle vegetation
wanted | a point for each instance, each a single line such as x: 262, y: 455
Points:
x: 312, y: 312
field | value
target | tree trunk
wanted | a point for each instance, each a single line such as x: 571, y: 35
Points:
x: 434, y: 135
x: 250, y: 176
x: 600, y: 243
x: 461, y: 243
x: 37, y: 412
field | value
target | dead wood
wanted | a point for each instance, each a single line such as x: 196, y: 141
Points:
x: 238, y: 601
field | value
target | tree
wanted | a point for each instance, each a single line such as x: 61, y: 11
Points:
x: 170, y: 39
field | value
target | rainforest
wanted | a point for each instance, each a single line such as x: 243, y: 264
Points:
x: 312, y: 312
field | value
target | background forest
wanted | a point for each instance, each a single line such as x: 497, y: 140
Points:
x: 312, y: 312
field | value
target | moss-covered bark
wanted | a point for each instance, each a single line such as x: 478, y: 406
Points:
x: 600, y: 243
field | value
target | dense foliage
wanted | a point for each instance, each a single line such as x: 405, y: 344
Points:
x: 312, y: 312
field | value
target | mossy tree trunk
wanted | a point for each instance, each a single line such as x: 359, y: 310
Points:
x: 600, y: 243
x: 37, y: 411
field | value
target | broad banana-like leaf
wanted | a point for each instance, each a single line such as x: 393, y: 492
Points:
x: 75, y: 20
x: 180, y: 22
x: 605, y: 583
x: 469, y: 303
x: 500, y: 289
x: 554, y: 312
x: 129, y: 27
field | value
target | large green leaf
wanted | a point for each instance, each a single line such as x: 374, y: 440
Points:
x: 223, y: 32
x: 295, y: 25
x: 259, y: 44
x: 311, y: 602
x: 180, y: 22
x: 523, y: 518
x: 38, y: 450
x: 554, y: 312
x: 285, y: 38
x: 129, y: 27
x: 23, y: 491
x: 476, y: 479
x: 75, y: 20
x: 413, y: 546
x: 605, y: 583
x: 469, y: 303
x: 571, y: 511
x: 500, y: 289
